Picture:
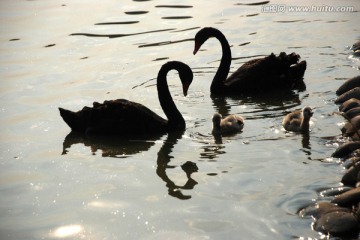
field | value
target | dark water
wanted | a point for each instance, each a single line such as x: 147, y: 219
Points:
x: 172, y: 186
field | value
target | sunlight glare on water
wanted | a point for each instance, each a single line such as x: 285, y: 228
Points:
x: 67, y: 231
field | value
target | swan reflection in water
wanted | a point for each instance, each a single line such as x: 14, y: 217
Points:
x: 267, y: 105
x: 111, y: 146
x: 116, y: 147
x: 163, y: 160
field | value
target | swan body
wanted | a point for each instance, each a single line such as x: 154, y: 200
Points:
x: 298, y: 121
x: 124, y: 117
x: 227, y: 125
x: 257, y: 75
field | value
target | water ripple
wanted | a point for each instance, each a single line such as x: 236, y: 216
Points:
x: 160, y: 59
x: 290, y: 21
x: 251, y: 15
x: 245, y: 43
x: 119, y: 35
x: 165, y: 43
x: 177, y: 17
x: 253, y: 4
x: 187, y: 29
x: 173, y: 6
x: 115, y: 23
x: 136, y: 12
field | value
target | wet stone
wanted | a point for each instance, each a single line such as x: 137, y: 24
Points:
x: 349, y: 104
x: 348, y: 199
x: 351, y: 113
x: 348, y: 85
x: 353, y: 93
x: 321, y: 208
x: 346, y: 149
x: 356, y: 46
x: 337, y: 222
x: 348, y: 163
x: 334, y: 191
x: 351, y: 176
x: 355, y: 121
x: 356, y: 153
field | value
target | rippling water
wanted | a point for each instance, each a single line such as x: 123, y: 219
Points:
x: 184, y: 186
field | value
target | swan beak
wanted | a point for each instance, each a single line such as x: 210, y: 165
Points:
x: 197, y: 47
x: 185, y: 89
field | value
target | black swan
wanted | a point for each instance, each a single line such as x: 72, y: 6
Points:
x: 227, y: 125
x: 298, y: 121
x: 257, y: 75
x: 124, y: 117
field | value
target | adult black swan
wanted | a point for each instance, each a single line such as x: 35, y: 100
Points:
x: 283, y: 72
x: 123, y: 117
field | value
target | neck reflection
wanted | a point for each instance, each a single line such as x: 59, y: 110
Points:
x: 163, y: 160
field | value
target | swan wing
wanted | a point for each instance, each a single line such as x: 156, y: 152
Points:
x: 115, y: 116
x: 268, y: 72
x: 125, y: 117
x: 232, y: 124
x: 292, y: 121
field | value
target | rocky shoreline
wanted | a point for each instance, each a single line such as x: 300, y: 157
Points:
x: 340, y: 217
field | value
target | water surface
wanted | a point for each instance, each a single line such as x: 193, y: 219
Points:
x: 184, y: 186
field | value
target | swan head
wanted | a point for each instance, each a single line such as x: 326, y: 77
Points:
x: 201, y: 36
x: 216, y: 119
x: 184, y: 71
x: 186, y: 76
x: 307, y: 112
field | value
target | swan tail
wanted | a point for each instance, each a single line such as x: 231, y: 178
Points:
x: 73, y: 119
x: 240, y: 124
x: 296, y: 74
x: 291, y: 61
x: 299, y: 69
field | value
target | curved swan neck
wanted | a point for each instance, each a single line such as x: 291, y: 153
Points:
x: 175, y: 119
x: 305, y: 125
x: 216, y: 128
x: 306, y: 115
x: 224, y: 67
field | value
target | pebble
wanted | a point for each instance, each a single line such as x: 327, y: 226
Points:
x: 349, y: 162
x: 351, y: 176
x: 348, y: 199
x: 353, y: 112
x: 345, y: 149
x: 341, y: 216
x: 353, y: 93
x: 336, y: 223
x: 348, y: 85
x: 356, y: 46
x: 349, y: 104
x: 321, y: 208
